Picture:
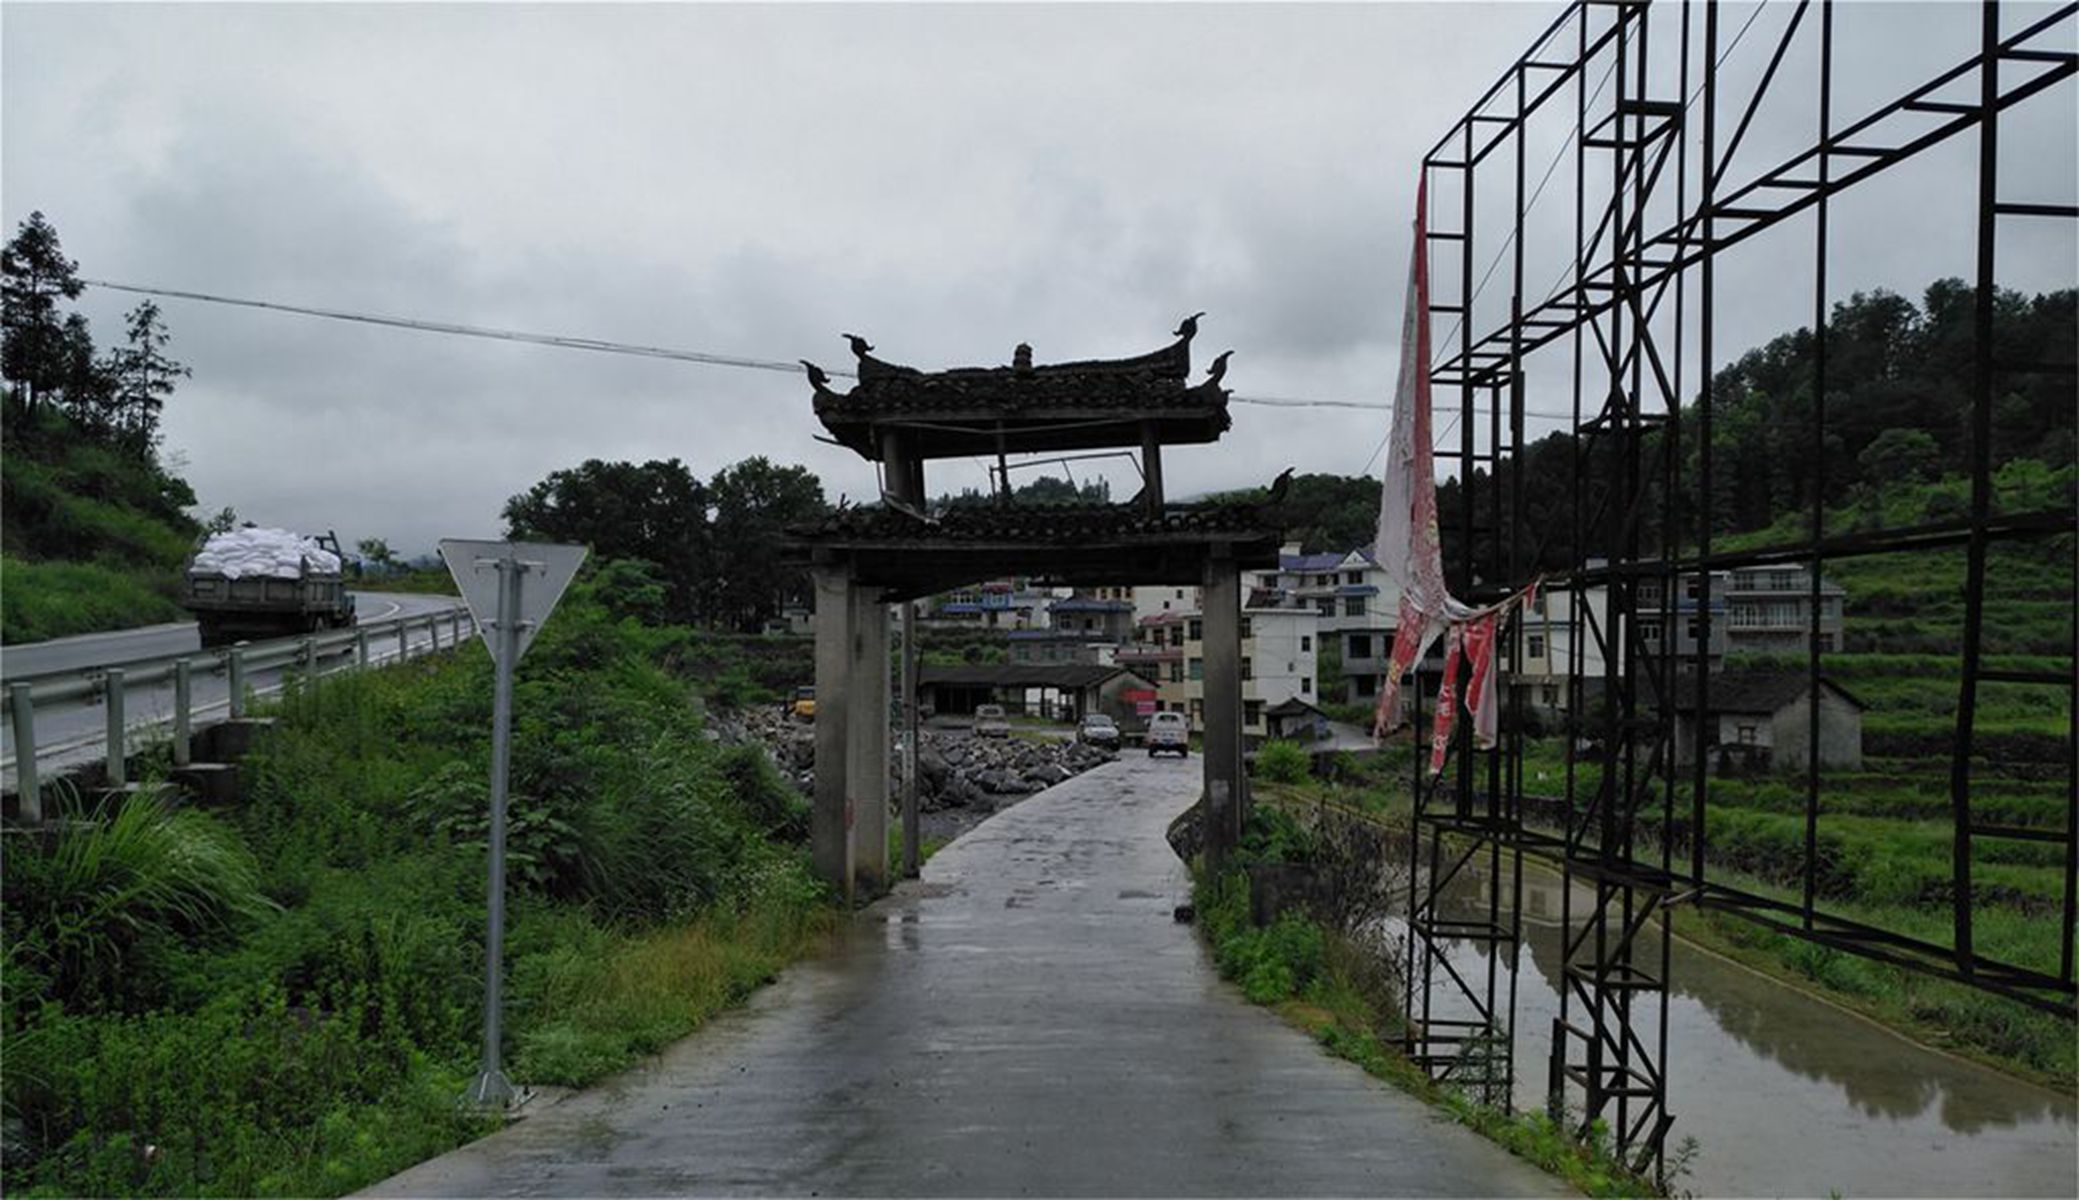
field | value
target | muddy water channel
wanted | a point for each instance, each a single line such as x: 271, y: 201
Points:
x: 1788, y: 1095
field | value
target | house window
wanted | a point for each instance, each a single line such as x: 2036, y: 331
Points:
x: 1696, y: 629
x: 1176, y: 635
x: 1325, y: 606
x: 1198, y: 630
x: 1537, y: 645
x: 1549, y: 695
x: 1748, y: 734
x: 1353, y: 606
x: 1198, y: 712
x: 1353, y: 578
x: 1198, y: 668
x: 1306, y: 643
x: 1246, y: 634
x: 1649, y: 631
x: 1176, y: 672
x: 1247, y: 671
x: 1537, y: 604
x: 1306, y: 685
x: 1252, y: 712
x: 1360, y: 645
x: 1367, y: 685
x: 1180, y: 596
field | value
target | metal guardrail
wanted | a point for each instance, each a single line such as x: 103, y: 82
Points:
x: 109, y: 683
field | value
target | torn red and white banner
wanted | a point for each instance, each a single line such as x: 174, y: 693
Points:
x: 1480, y: 661
x: 1409, y: 548
x: 1447, y: 701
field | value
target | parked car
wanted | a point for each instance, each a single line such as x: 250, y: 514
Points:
x: 990, y: 721
x: 1100, y: 730
x: 1169, y: 731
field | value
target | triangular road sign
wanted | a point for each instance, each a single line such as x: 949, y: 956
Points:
x: 544, y: 570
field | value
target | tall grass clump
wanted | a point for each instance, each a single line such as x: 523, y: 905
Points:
x: 93, y: 915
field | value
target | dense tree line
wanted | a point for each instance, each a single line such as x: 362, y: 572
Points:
x: 1899, y: 381
x: 49, y: 359
x: 1046, y: 489
x: 713, y: 548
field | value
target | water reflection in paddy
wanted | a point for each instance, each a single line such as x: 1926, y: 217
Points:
x: 1789, y: 1095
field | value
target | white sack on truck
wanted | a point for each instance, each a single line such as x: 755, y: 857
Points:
x: 268, y: 553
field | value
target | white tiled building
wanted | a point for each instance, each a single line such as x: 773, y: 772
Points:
x: 1279, y: 662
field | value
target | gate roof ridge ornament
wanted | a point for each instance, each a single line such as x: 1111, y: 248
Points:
x: 1026, y: 406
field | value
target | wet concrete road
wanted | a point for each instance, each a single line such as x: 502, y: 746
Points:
x: 1025, y: 1020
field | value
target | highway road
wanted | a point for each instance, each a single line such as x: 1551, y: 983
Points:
x: 69, y: 734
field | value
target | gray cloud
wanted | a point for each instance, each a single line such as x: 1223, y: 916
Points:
x: 949, y: 180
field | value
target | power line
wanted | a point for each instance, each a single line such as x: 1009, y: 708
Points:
x: 559, y: 341
x: 605, y: 346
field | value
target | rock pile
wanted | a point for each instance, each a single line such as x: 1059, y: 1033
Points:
x: 954, y: 768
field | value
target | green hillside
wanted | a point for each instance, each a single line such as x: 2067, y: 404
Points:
x: 95, y: 524
x: 94, y: 536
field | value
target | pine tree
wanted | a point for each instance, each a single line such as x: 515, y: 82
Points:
x: 82, y: 380
x: 35, y: 344
x: 143, y: 377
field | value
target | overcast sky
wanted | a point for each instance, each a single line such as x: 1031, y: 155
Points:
x: 947, y: 180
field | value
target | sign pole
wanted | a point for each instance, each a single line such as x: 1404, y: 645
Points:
x: 491, y: 1088
x: 508, y: 613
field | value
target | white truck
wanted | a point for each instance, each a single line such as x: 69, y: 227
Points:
x: 261, y: 583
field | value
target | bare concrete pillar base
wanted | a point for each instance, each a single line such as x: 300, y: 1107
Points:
x: 1222, y: 619
x: 229, y: 741
x: 830, y: 821
x: 868, y: 743
x: 210, y: 783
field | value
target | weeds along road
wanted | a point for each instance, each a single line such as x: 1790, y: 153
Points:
x: 1026, y: 1019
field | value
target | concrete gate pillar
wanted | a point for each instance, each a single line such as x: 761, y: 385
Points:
x: 1222, y: 616
x: 867, y: 762
x: 830, y: 821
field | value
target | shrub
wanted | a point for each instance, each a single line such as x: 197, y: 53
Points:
x: 1283, y: 762
x: 94, y: 913
x: 153, y: 996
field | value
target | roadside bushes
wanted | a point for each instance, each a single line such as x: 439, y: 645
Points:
x: 286, y: 999
x: 1283, y: 762
x: 85, y: 917
x: 1270, y: 962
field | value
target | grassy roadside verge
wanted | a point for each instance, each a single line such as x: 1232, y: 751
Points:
x: 285, y: 998
x: 57, y: 599
x: 1345, y: 997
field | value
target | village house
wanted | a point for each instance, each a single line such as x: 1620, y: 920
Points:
x: 1279, y: 662
x: 1760, y: 721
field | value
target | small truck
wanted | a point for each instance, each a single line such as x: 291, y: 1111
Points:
x: 273, y: 601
